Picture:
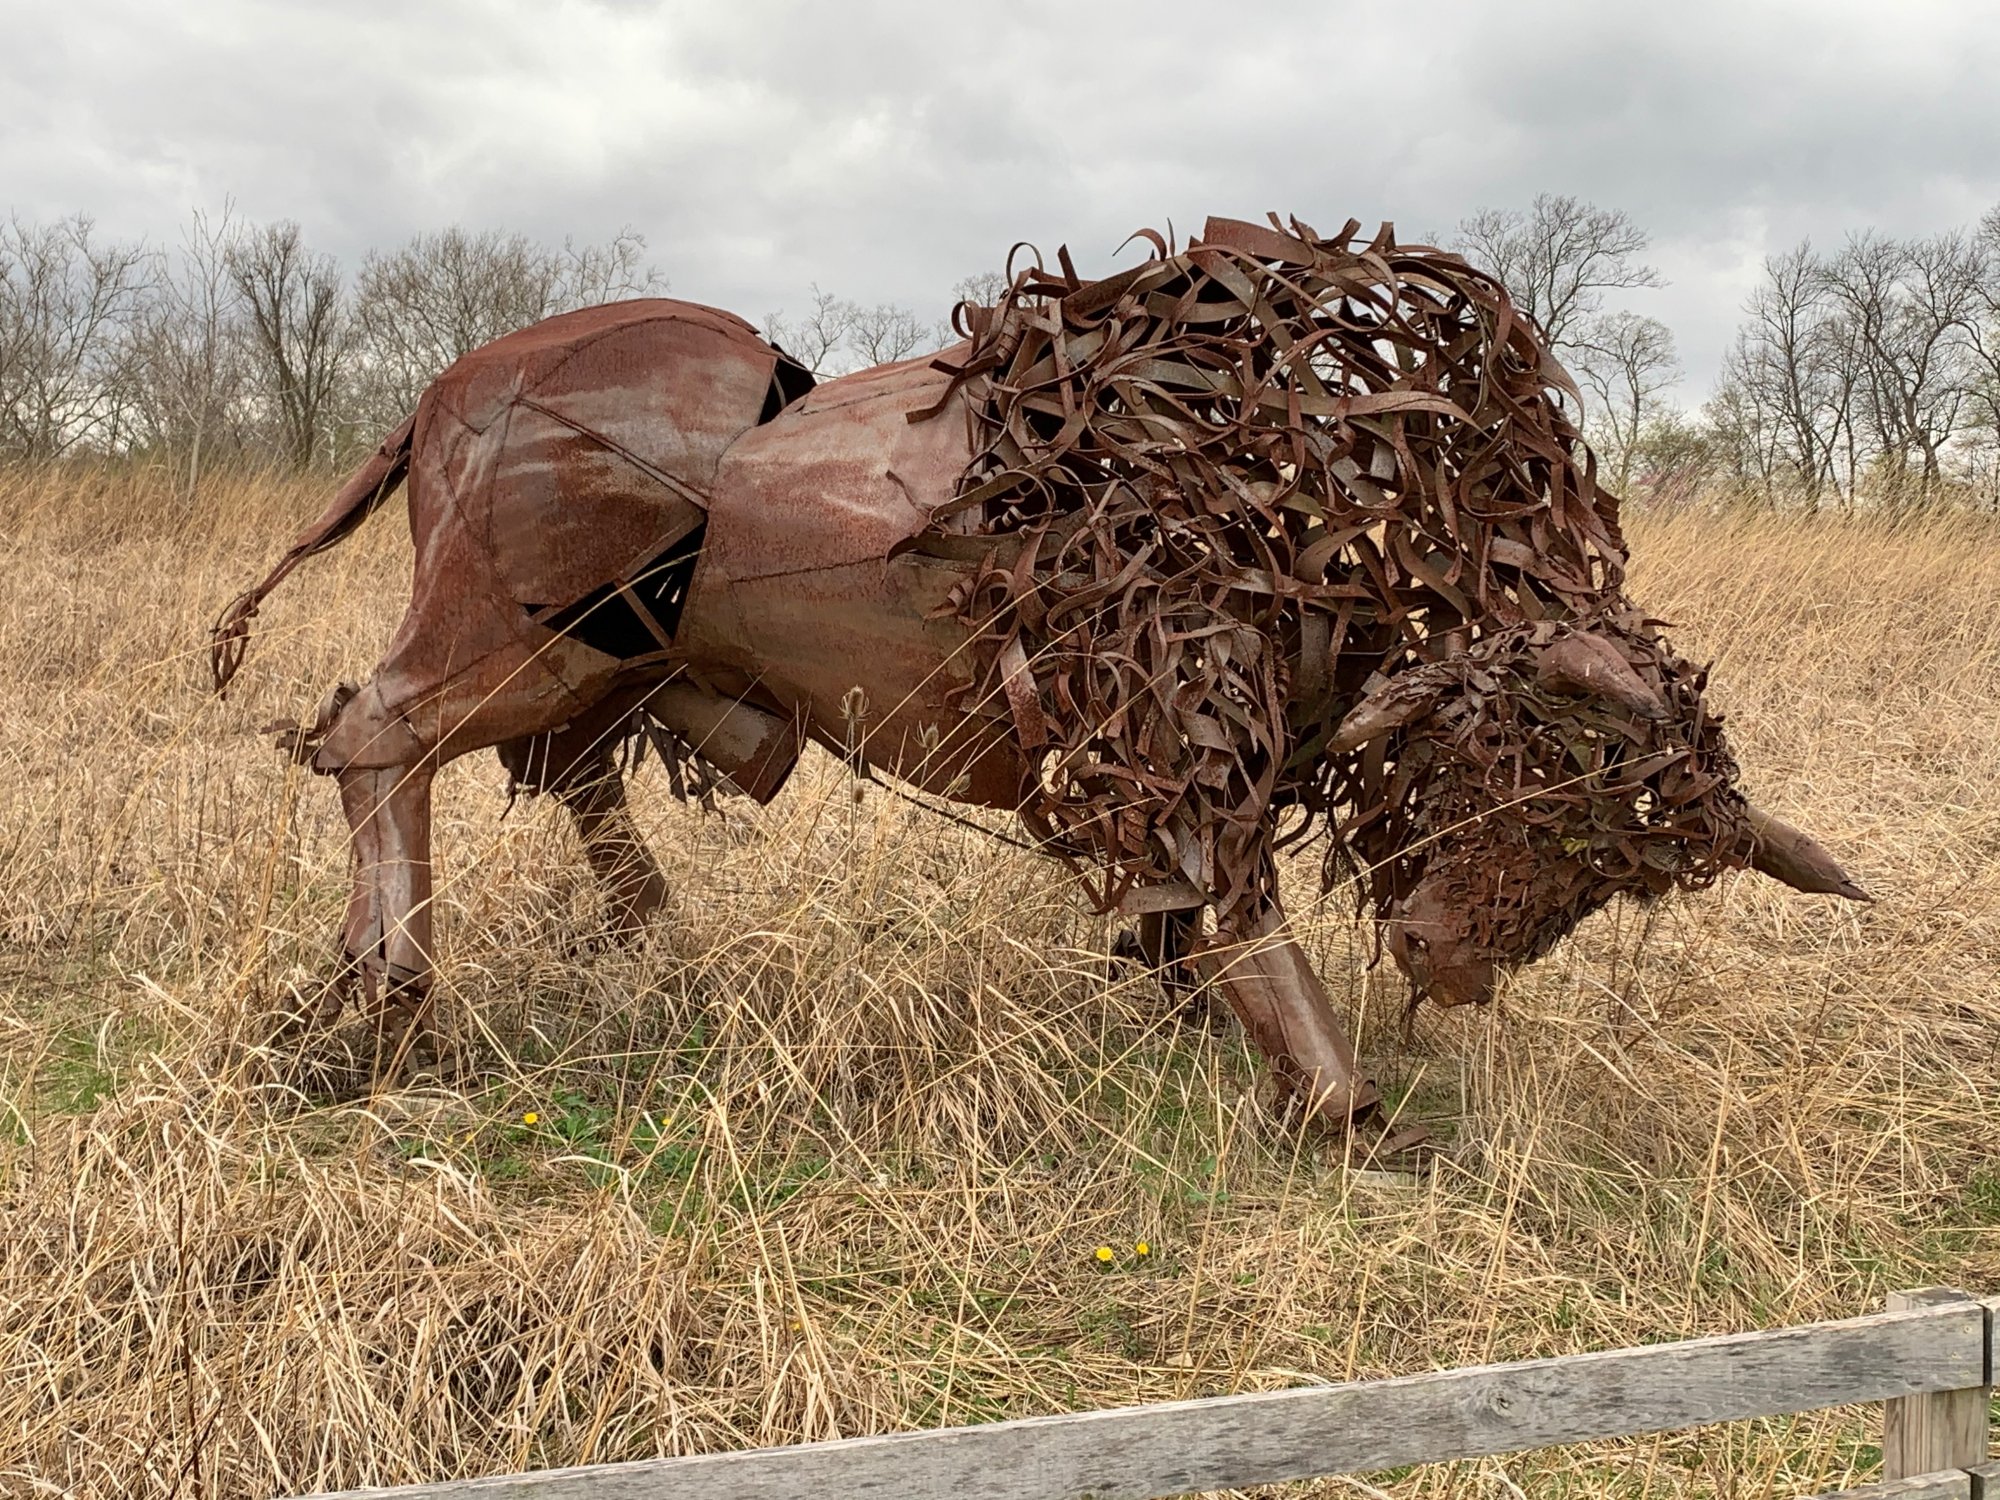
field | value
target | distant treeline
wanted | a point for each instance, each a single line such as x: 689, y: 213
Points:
x: 1871, y: 371
x: 241, y: 342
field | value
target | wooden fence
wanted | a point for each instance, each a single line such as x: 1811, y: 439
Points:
x: 1929, y: 1359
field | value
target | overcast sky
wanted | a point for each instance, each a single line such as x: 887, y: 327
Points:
x: 885, y: 150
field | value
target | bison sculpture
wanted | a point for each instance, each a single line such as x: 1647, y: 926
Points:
x: 1269, y: 538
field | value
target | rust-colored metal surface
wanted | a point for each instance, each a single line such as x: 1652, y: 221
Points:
x: 544, y: 465
x: 809, y: 585
x: 1275, y: 537
x: 588, y: 443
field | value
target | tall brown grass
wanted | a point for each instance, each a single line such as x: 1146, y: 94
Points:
x: 833, y: 1152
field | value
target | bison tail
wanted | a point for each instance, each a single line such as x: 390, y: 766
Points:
x: 358, y: 499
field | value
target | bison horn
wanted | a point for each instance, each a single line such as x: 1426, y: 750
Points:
x: 1773, y: 847
x: 1588, y: 666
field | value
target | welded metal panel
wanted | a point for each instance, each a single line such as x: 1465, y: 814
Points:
x: 797, y: 584
x: 588, y: 443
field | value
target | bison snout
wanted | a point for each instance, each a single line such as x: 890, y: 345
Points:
x: 1436, y: 955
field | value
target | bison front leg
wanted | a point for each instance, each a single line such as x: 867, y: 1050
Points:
x: 388, y: 934
x: 1271, y: 986
x: 634, y: 888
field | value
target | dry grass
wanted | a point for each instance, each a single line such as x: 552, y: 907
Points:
x: 833, y: 1152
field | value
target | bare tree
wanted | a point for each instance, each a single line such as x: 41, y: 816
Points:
x: 66, y: 306
x: 300, y: 331
x: 442, y: 295
x: 982, y: 288
x: 589, y: 275
x: 1983, y: 348
x: 1557, y: 259
x: 1796, y: 358
x: 1913, y: 306
x: 886, y: 332
x: 191, y: 365
x: 1627, y: 362
x: 818, y: 338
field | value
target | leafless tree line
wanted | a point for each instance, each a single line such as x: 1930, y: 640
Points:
x: 1876, y: 366
x: 1871, y: 369
x: 243, y: 341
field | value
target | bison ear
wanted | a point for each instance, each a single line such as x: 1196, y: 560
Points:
x: 1772, y: 847
x: 1391, y: 706
x: 1583, y: 665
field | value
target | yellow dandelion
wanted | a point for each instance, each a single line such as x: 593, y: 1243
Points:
x: 531, y: 1118
x: 1104, y: 1254
x: 1142, y: 1249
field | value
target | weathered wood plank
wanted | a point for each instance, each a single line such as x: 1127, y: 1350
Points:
x: 1233, y: 1441
x: 1936, y: 1430
x: 1985, y: 1477
x: 1953, y: 1485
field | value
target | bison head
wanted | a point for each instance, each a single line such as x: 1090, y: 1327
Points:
x: 1506, y: 791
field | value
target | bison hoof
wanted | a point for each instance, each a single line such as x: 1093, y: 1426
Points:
x: 405, y: 1038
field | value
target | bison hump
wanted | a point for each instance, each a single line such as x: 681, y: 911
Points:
x: 585, y: 445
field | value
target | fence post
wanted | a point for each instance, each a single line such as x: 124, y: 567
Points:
x: 1939, y: 1429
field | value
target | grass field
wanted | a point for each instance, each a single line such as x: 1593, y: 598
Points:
x: 835, y: 1150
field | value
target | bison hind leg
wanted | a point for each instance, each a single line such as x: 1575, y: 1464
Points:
x: 635, y: 890
x: 577, y: 766
x: 388, y: 934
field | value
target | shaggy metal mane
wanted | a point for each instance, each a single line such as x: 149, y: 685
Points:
x: 1243, y: 487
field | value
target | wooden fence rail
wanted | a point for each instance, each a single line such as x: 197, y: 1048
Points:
x: 1929, y: 1358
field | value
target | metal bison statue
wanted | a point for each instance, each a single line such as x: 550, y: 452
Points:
x: 1272, y: 538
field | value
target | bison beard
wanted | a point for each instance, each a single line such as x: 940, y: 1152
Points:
x: 1248, y: 497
